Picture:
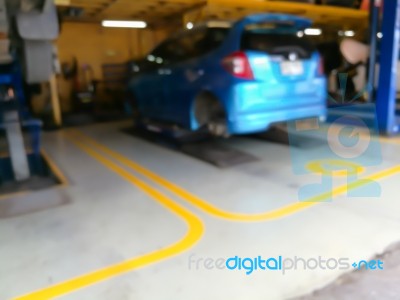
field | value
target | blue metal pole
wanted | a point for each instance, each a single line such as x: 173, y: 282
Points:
x: 389, y: 52
x: 373, y: 30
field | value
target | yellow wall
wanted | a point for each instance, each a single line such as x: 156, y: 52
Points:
x: 95, y: 45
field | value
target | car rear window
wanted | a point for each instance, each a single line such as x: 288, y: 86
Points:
x: 204, y: 41
x: 192, y: 44
x: 273, y: 43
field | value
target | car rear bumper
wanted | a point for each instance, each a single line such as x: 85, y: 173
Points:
x: 253, y: 106
x: 260, y: 121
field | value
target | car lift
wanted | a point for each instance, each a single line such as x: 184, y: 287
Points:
x: 381, y: 106
x: 381, y: 111
x: 388, y: 121
x: 11, y: 100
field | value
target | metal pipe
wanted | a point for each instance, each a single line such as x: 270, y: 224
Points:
x: 373, y: 30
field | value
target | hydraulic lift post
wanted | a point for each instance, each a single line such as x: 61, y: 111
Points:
x: 374, y: 8
x: 389, y: 55
x: 15, y: 141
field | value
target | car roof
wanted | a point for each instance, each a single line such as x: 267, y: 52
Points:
x: 254, y: 18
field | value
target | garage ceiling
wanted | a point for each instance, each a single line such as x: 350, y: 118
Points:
x: 151, y: 11
x: 165, y: 12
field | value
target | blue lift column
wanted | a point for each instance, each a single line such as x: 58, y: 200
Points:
x: 389, y: 54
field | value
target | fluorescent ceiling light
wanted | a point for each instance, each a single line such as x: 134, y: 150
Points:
x: 346, y: 33
x: 189, y: 25
x: 224, y: 24
x: 313, y: 31
x: 349, y: 33
x: 124, y: 24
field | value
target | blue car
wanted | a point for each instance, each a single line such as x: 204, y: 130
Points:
x: 233, y: 77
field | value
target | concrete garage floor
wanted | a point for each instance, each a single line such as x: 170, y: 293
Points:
x: 365, y: 284
x: 142, y: 220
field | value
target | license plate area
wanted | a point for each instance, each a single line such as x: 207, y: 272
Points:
x: 292, y: 68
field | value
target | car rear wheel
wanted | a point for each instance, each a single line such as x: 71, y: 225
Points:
x: 210, y: 114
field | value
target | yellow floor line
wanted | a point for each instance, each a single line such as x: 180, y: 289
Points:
x: 195, y: 226
x: 217, y: 212
x: 12, y: 195
x: 395, y: 140
x: 55, y: 169
x: 392, y: 140
x: 193, y: 235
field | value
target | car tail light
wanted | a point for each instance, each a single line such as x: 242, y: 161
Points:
x: 238, y: 65
x: 321, y: 70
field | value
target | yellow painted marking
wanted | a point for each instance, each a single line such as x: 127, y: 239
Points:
x: 217, y: 212
x: 343, y: 168
x: 195, y: 226
x: 5, y: 154
x: 193, y: 235
x: 54, y: 168
x: 366, y: 135
x: 392, y: 140
x: 12, y: 195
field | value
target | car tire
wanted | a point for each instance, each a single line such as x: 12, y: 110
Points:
x: 210, y: 114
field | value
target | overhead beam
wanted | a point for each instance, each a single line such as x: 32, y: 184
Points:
x: 178, y: 17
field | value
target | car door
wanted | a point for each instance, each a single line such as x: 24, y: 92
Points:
x: 183, y: 79
x: 177, y: 80
x: 150, y: 87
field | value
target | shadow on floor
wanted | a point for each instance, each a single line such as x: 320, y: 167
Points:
x: 202, y: 147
